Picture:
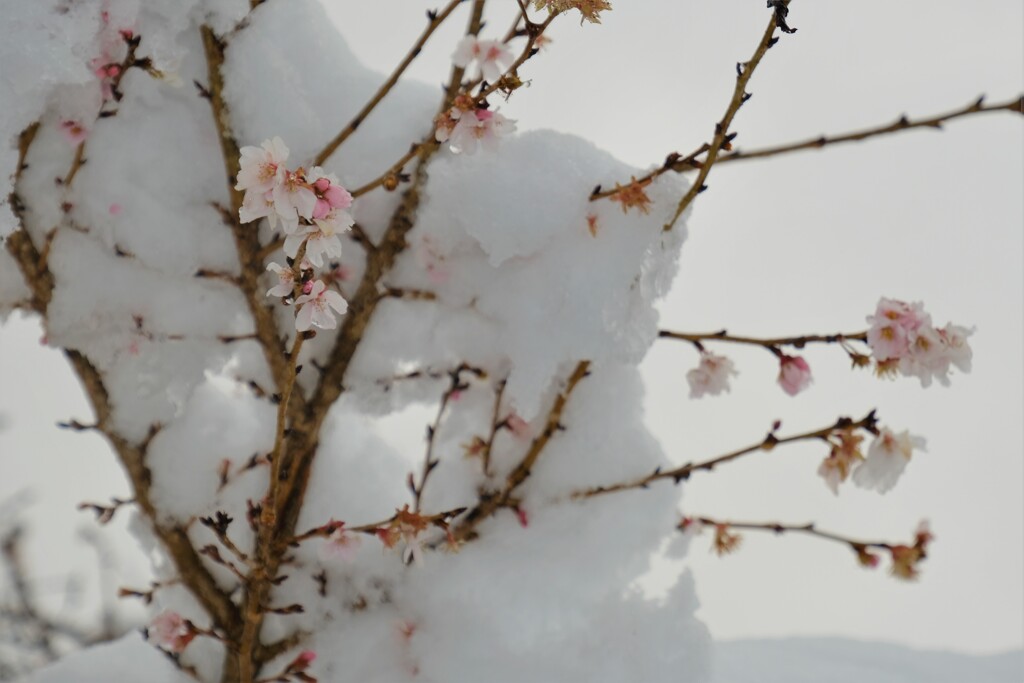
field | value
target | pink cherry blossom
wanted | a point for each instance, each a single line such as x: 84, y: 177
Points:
x: 711, y: 376
x: 285, y: 280
x: 958, y: 351
x: 74, y: 132
x: 329, y: 194
x: 519, y: 427
x: 491, y: 56
x: 794, y: 374
x: 341, y: 545
x: 170, y: 631
x: 316, y: 308
x: 887, y: 457
x: 892, y: 325
x: 479, y: 127
x: 262, y: 168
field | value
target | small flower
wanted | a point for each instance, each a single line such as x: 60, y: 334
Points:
x: 479, y: 127
x: 74, y: 132
x: 170, y: 631
x: 711, y: 376
x: 904, y: 561
x: 257, y: 205
x: 492, y: 56
x: 261, y: 169
x: 285, y: 280
x: 887, y: 457
x: 300, y: 663
x: 340, y: 545
x: 632, y: 195
x: 293, y: 199
x: 794, y: 374
x: 316, y: 308
x: 844, y: 456
x: 329, y: 194
x: 519, y: 427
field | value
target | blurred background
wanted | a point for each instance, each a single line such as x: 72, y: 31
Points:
x: 804, y: 243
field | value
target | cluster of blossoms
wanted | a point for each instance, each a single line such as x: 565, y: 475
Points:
x: 311, y: 207
x: 589, y: 9
x: 465, y: 126
x: 887, y: 457
x: 903, y: 339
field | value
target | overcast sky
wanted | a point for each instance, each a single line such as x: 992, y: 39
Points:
x: 805, y: 243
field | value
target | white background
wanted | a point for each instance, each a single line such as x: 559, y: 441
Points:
x: 805, y: 243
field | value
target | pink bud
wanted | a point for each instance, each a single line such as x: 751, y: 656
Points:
x: 524, y: 519
x: 114, y: 209
x: 321, y: 185
x: 307, y: 287
x: 794, y: 374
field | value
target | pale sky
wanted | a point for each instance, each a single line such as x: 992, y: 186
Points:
x: 805, y: 243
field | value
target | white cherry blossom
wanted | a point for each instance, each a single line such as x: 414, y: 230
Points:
x: 316, y: 308
x: 711, y: 376
x: 887, y: 457
x: 262, y: 168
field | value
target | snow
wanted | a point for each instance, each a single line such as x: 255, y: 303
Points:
x: 786, y: 660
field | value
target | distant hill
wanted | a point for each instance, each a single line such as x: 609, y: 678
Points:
x: 838, y: 660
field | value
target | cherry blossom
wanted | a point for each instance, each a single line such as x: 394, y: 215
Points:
x: 844, y: 456
x: 519, y: 427
x: 711, y: 376
x: 293, y: 199
x: 330, y: 195
x: 74, y: 132
x: 340, y: 545
x: 170, y: 631
x: 316, y: 308
x: 479, y: 126
x: 903, y: 340
x: 262, y: 168
x: 887, y: 457
x: 794, y: 374
x: 285, y: 280
x: 257, y: 205
x: 491, y: 56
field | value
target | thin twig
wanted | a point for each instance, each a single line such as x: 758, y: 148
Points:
x: 435, y: 21
x: 722, y: 135
x: 769, y: 442
x: 900, y: 125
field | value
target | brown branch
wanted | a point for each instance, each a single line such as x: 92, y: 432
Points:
x: 900, y: 125
x: 456, y: 384
x: 435, y: 19
x: 769, y: 442
x: 534, y: 31
x: 246, y: 238
x: 391, y: 178
x: 722, y: 135
x: 770, y: 342
x: 680, y: 164
x: 905, y: 557
x: 491, y: 502
x: 132, y: 456
x: 496, y: 423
